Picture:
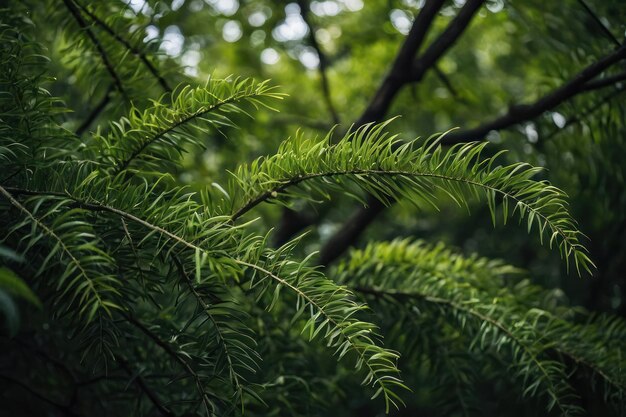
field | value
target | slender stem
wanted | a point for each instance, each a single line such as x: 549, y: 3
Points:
x: 59, y: 241
x: 323, y: 65
x: 521, y: 113
x: 599, y: 22
x: 392, y: 173
x: 134, y: 50
x: 331, y: 320
x: 399, y: 295
x: 172, y: 353
x: 141, y: 384
x: 222, y: 340
x: 95, y: 112
x: 122, y: 165
x: 96, y: 42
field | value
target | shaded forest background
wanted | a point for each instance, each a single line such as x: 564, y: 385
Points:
x: 500, y: 71
x: 543, y: 81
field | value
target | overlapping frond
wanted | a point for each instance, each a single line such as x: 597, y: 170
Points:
x: 330, y: 311
x: 419, y: 172
x: 474, y: 298
x: 150, y: 260
x: 213, y: 248
x: 86, y: 277
x: 29, y: 136
x: 155, y: 138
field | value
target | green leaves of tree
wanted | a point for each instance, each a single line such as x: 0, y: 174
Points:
x: 479, y: 305
x: 330, y: 312
x: 154, y: 139
x: 418, y: 171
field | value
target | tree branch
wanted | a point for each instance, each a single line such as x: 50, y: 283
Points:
x: 96, y: 42
x: 141, y: 384
x: 446, y: 82
x: 521, y: 113
x: 134, y: 50
x: 449, y: 36
x: 178, y: 358
x: 323, y: 66
x: 604, y: 82
x: 95, y: 112
x: 364, y: 216
x: 401, y: 296
x: 399, y: 75
x: 601, y: 24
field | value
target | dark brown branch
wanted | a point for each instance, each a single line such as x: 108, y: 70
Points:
x: 95, y: 112
x: 595, y: 106
x: 446, y: 82
x: 323, y: 66
x: 449, y: 36
x: 364, y: 216
x: 521, y: 113
x: 171, y: 352
x: 134, y: 50
x: 604, y: 82
x: 350, y: 231
x: 399, y: 75
x: 96, y: 42
x: 293, y: 222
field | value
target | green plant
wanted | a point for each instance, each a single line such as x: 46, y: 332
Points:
x: 178, y: 292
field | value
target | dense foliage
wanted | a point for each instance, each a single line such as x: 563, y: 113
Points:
x: 177, y: 241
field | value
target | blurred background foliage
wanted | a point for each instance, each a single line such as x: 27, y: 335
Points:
x: 512, y: 53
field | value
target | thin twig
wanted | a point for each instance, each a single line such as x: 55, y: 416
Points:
x: 402, y: 295
x: 141, y: 384
x: 134, y: 50
x: 604, y: 82
x: 595, y: 106
x: 94, y: 39
x: 364, y: 216
x: 600, y: 23
x: 446, y: 82
x: 178, y: 358
x: 521, y: 113
x: 95, y: 112
x: 398, y: 76
x: 405, y: 69
x: 220, y: 335
x: 323, y: 65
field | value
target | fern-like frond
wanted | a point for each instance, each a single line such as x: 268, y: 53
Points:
x: 219, y: 249
x: 375, y: 161
x: 495, y: 312
x: 155, y: 138
x: 87, y: 277
x: 331, y: 312
x: 29, y: 135
x: 228, y: 335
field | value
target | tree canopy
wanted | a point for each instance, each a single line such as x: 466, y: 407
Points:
x: 345, y: 207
